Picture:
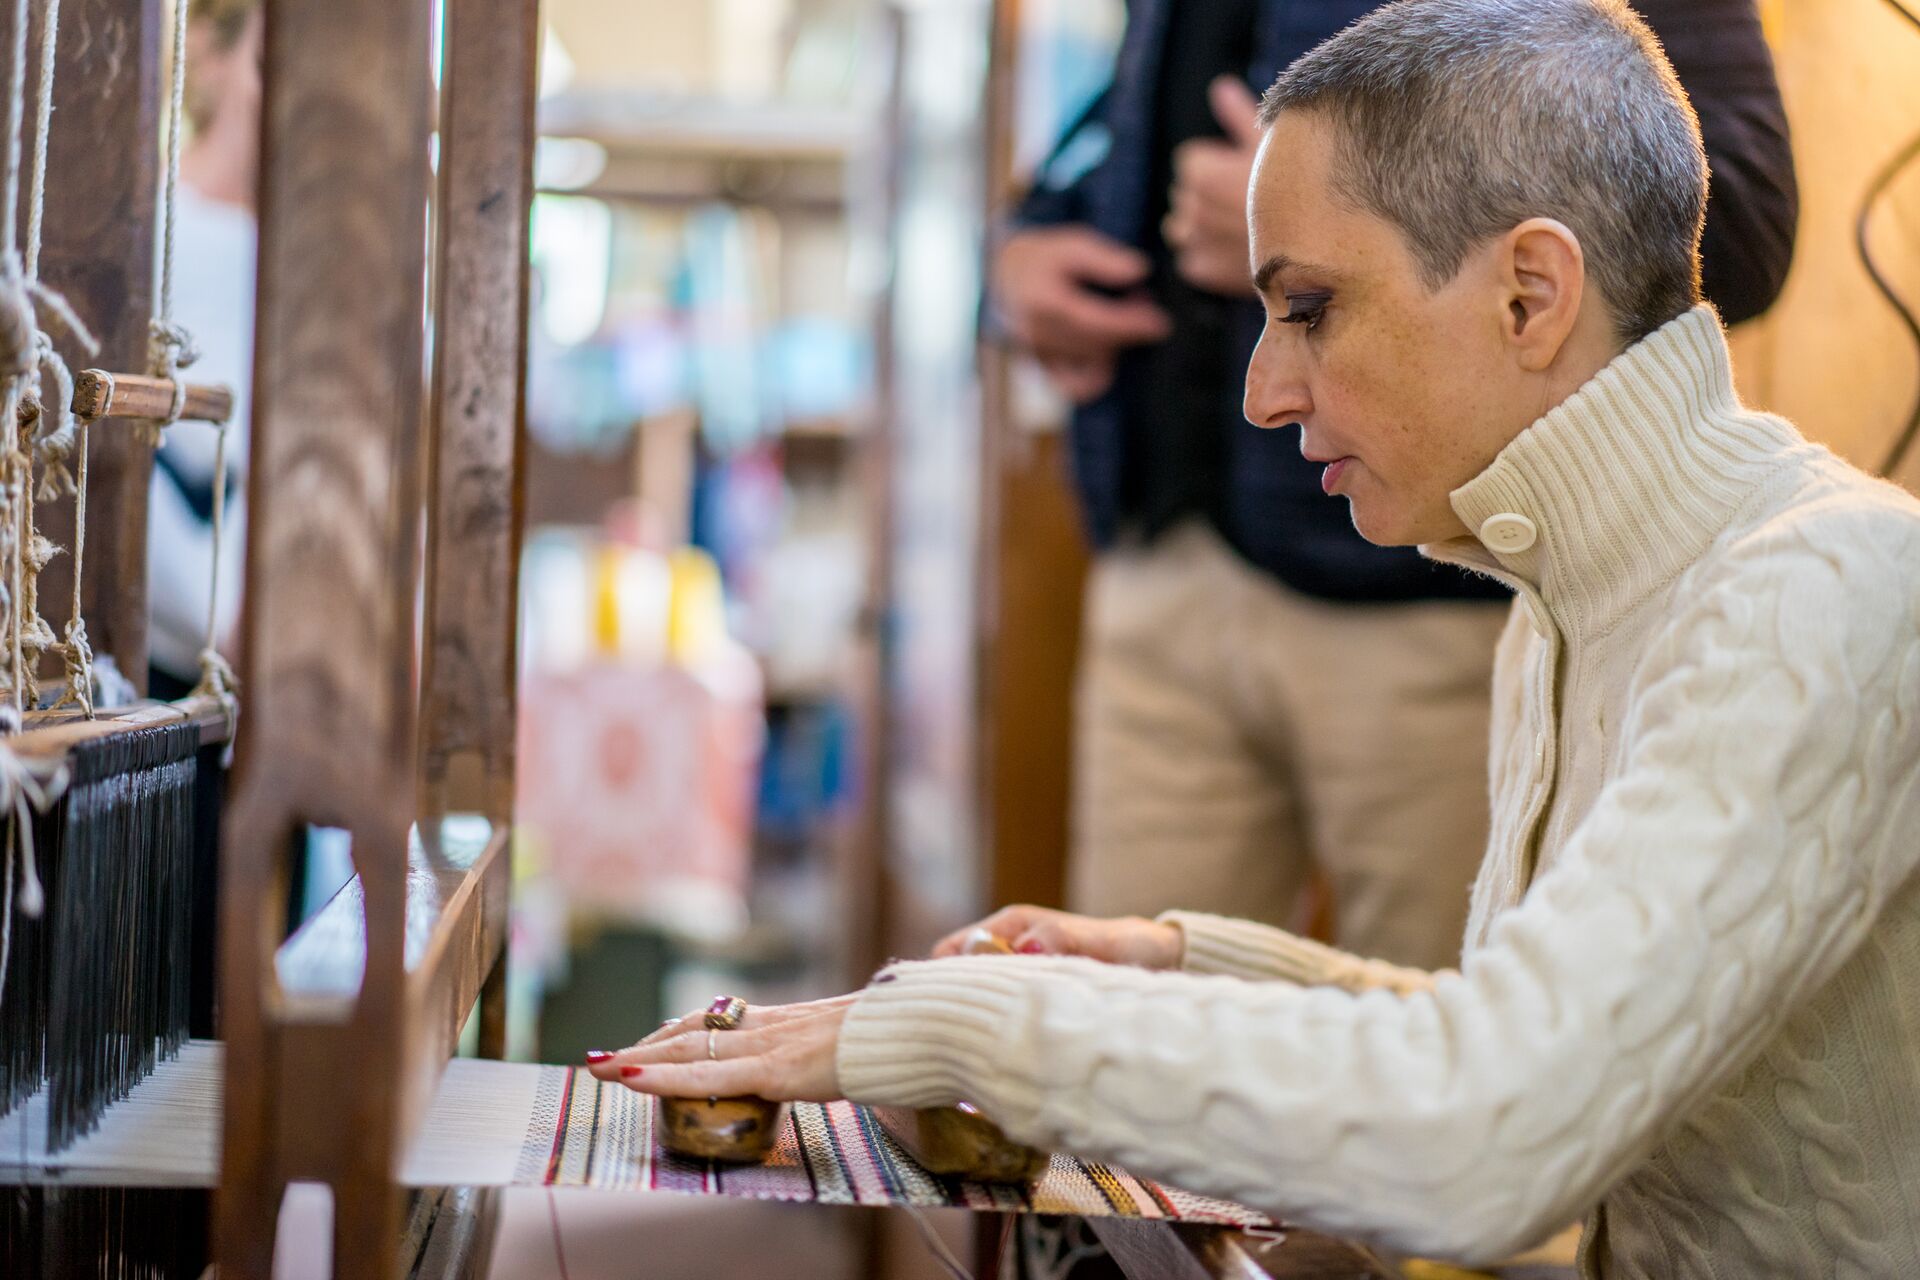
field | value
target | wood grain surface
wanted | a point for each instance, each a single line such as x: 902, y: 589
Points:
x: 328, y: 640
x: 477, y: 439
x: 97, y: 248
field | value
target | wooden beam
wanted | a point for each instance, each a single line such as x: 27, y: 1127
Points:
x: 864, y: 852
x: 478, y: 415
x: 1030, y: 585
x: 97, y: 249
x: 328, y: 627
x: 53, y: 733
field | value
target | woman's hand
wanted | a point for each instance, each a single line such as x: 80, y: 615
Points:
x: 785, y: 1053
x: 1035, y: 931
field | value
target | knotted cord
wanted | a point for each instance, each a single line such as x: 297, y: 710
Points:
x: 26, y: 350
x: 216, y: 675
x: 77, y: 653
x: 54, y: 431
x: 170, y: 348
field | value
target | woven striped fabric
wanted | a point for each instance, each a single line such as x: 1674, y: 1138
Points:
x: 586, y: 1133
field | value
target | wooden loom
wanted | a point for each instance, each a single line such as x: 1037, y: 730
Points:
x: 331, y: 1059
x: 323, y: 1082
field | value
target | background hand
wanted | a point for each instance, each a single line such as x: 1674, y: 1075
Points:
x: 1047, y: 284
x: 1145, y: 944
x: 1206, y: 223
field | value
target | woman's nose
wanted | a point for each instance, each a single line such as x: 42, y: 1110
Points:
x: 1276, y: 390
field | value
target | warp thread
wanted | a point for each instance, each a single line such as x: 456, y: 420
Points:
x: 104, y: 984
x: 152, y: 1234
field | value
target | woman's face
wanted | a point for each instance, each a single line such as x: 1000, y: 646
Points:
x: 1405, y: 392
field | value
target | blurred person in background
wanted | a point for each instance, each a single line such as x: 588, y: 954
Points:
x: 1261, y: 690
x: 215, y: 235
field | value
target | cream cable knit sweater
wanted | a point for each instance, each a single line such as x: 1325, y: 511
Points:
x: 1691, y: 993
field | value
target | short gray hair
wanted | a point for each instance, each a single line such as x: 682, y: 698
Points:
x: 1461, y: 119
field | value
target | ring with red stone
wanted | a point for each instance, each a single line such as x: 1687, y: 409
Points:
x: 726, y: 1013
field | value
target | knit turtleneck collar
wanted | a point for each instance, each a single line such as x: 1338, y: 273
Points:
x: 1626, y: 482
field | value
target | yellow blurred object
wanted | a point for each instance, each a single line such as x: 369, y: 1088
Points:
x: 1561, y: 1251
x: 606, y: 599
x: 1415, y: 1269
x: 696, y: 609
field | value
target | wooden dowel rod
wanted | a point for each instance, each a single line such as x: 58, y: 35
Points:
x: 53, y: 733
x: 98, y: 394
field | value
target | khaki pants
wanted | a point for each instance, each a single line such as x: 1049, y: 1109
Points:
x: 1232, y: 732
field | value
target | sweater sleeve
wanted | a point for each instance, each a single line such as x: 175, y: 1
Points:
x: 1760, y: 819
x: 1258, y: 952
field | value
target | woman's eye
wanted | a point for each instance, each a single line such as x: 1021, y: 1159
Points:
x: 1306, y: 309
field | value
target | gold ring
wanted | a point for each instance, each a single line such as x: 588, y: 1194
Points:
x: 713, y: 1049
x: 726, y: 1013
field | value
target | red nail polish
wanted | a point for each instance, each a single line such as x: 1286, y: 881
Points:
x: 628, y: 1073
x: 598, y: 1056
x: 1032, y: 948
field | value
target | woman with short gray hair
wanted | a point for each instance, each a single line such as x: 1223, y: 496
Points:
x: 1690, y: 999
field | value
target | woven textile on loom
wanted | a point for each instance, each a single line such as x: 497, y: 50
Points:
x: 510, y: 1124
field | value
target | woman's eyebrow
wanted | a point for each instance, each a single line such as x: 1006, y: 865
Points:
x: 1279, y: 262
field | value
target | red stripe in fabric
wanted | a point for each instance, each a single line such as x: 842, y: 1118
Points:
x: 560, y: 1132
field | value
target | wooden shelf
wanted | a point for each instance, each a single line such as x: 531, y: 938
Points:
x: 704, y: 128
x: 690, y: 151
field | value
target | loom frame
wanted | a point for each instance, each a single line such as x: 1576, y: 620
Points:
x: 338, y: 495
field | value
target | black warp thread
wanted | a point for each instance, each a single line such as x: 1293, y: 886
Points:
x: 104, y: 978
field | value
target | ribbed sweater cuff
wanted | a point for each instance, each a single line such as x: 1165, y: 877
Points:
x: 1242, y: 949
x: 930, y: 1032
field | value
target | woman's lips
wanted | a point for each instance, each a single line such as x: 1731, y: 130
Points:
x: 1331, y: 476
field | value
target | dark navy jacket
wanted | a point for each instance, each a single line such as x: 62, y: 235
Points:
x: 1274, y: 513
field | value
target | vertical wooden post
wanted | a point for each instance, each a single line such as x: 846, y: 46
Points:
x: 477, y: 416
x: 874, y: 209
x: 328, y: 637
x: 1032, y: 575
x: 477, y: 423
x: 97, y: 248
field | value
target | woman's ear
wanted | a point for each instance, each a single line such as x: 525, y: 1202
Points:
x: 1545, y: 277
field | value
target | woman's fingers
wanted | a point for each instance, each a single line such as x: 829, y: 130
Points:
x: 729, y: 1078
x: 687, y: 1046
x: 688, y: 1035
x: 697, y: 1021
x: 1006, y: 924
x: 793, y: 1060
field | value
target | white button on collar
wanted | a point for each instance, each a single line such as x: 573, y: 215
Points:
x: 1509, y: 533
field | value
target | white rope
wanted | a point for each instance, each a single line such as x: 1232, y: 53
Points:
x: 17, y: 494
x: 217, y: 679
x: 42, y: 128
x: 16, y: 116
x: 54, y: 432
x: 170, y: 348
x: 26, y: 787
x: 77, y: 652
x: 18, y: 328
